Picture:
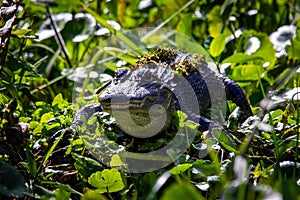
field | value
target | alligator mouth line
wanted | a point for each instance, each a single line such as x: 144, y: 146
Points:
x: 131, y: 105
x: 121, y: 106
x: 135, y: 109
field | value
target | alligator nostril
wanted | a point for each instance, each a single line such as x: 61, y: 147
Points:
x: 104, y: 100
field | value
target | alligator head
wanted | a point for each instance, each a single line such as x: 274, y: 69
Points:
x: 141, y: 103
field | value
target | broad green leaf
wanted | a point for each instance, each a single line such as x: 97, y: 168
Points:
x: 215, y: 21
x: 181, y: 116
x: 217, y: 46
x: 294, y: 49
x: 85, y: 166
x: 207, y: 167
x: 180, y: 168
x: 116, y: 161
x: 242, y: 58
x: 92, y: 195
x: 46, y: 117
x: 21, y: 33
x: 62, y: 194
x: 182, y: 191
x: 247, y: 72
x: 226, y: 142
x: 3, y: 99
x: 59, y: 101
x: 71, y: 4
x: 265, y: 50
x: 38, y: 129
x: 109, y: 180
x: 185, y: 24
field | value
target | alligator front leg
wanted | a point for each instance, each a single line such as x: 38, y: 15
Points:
x: 209, y: 125
x: 86, y: 112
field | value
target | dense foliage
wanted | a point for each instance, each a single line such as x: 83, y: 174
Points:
x: 47, y: 48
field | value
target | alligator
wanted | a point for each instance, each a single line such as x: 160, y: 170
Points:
x: 161, y: 82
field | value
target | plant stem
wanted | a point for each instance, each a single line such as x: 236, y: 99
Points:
x: 59, y: 37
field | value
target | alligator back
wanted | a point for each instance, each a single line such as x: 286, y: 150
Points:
x: 173, y: 80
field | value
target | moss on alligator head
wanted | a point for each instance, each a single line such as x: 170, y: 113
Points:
x: 170, y: 57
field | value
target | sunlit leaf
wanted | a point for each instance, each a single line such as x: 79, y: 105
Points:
x: 61, y: 194
x: 282, y: 37
x: 180, y: 169
x: 217, y: 46
x: 246, y: 72
x: 215, y: 21
x: 59, y: 101
x: 206, y: 167
x: 265, y: 50
x: 226, y: 142
x: 293, y: 50
x: 98, y: 18
x: 46, y: 117
x: 109, y: 180
x: 242, y: 58
x: 92, y: 195
x: 85, y: 165
x: 21, y: 33
x: 185, y: 24
x: 116, y: 161
x: 182, y: 191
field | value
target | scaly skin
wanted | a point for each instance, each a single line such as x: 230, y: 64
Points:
x: 166, y: 78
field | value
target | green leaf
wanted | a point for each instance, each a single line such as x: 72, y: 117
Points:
x: 215, y: 21
x: 217, y: 46
x: 109, y: 180
x: 59, y: 101
x: 62, y: 194
x: 246, y: 72
x: 31, y: 162
x: 180, y: 168
x: 85, y: 166
x: 182, y: 191
x: 294, y: 49
x: 116, y: 161
x: 242, y: 58
x: 49, y: 152
x: 185, y: 24
x: 207, y: 167
x: 91, y: 195
x: 180, y: 117
x: 46, y: 117
x: 227, y: 143
x: 21, y: 33
x: 265, y: 50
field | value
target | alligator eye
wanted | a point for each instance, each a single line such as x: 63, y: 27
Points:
x: 115, y: 81
x: 120, y: 72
